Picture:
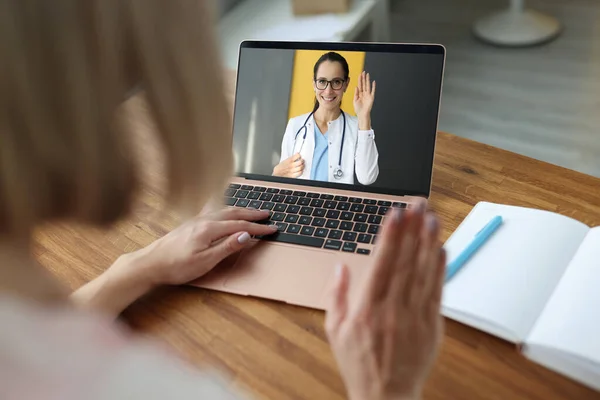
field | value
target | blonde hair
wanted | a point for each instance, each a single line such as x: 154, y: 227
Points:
x: 65, y: 69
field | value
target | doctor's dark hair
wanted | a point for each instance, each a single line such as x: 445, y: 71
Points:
x: 333, y: 57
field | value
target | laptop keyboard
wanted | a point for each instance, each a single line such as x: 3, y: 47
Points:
x: 325, y: 221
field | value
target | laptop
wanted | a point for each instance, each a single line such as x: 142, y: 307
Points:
x: 326, y: 216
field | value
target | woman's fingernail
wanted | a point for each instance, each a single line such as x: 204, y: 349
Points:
x: 398, y: 214
x: 244, y: 238
x: 432, y: 222
x: 421, y: 207
x: 338, y: 271
x: 273, y: 227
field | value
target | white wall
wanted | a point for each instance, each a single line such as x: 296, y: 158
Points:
x: 222, y: 6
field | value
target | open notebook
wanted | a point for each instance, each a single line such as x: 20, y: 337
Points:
x: 535, y: 282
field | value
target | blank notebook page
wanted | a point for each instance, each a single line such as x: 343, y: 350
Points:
x: 571, y: 320
x: 508, y: 281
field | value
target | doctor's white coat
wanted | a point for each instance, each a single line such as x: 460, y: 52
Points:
x: 360, y: 153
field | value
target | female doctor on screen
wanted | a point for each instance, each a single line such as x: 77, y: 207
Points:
x: 328, y: 144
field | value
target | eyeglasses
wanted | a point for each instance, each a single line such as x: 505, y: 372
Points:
x: 336, y: 83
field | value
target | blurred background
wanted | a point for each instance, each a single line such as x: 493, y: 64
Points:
x: 520, y: 75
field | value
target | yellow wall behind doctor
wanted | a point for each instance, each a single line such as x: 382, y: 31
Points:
x: 302, y: 94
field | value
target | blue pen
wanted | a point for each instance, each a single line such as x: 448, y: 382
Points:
x: 480, y: 238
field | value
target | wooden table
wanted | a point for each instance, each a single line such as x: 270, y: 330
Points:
x: 280, y: 351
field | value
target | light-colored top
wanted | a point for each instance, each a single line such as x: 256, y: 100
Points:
x: 321, y: 156
x: 360, y: 155
x: 63, y: 354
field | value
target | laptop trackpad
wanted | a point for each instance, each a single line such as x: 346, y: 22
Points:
x: 282, y: 272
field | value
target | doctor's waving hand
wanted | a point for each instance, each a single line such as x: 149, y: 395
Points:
x: 328, y: 144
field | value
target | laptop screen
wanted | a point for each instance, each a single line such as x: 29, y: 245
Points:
x: 339, y: 115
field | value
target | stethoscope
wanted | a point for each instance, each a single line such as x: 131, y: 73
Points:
x: 337, y: 172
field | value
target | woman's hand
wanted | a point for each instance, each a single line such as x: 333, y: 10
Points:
x: 185, y: 254
x: 197, y: 246
x: 291, y: 167
x: 364, y: 96
x: 385, y: 338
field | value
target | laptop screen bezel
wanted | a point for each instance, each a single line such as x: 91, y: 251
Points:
x: 414, y: 48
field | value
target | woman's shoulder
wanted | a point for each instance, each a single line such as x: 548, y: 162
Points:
x: 353, y: 119
x: 72, y: 354
x: 352, y: 122
x: 300, y: 118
